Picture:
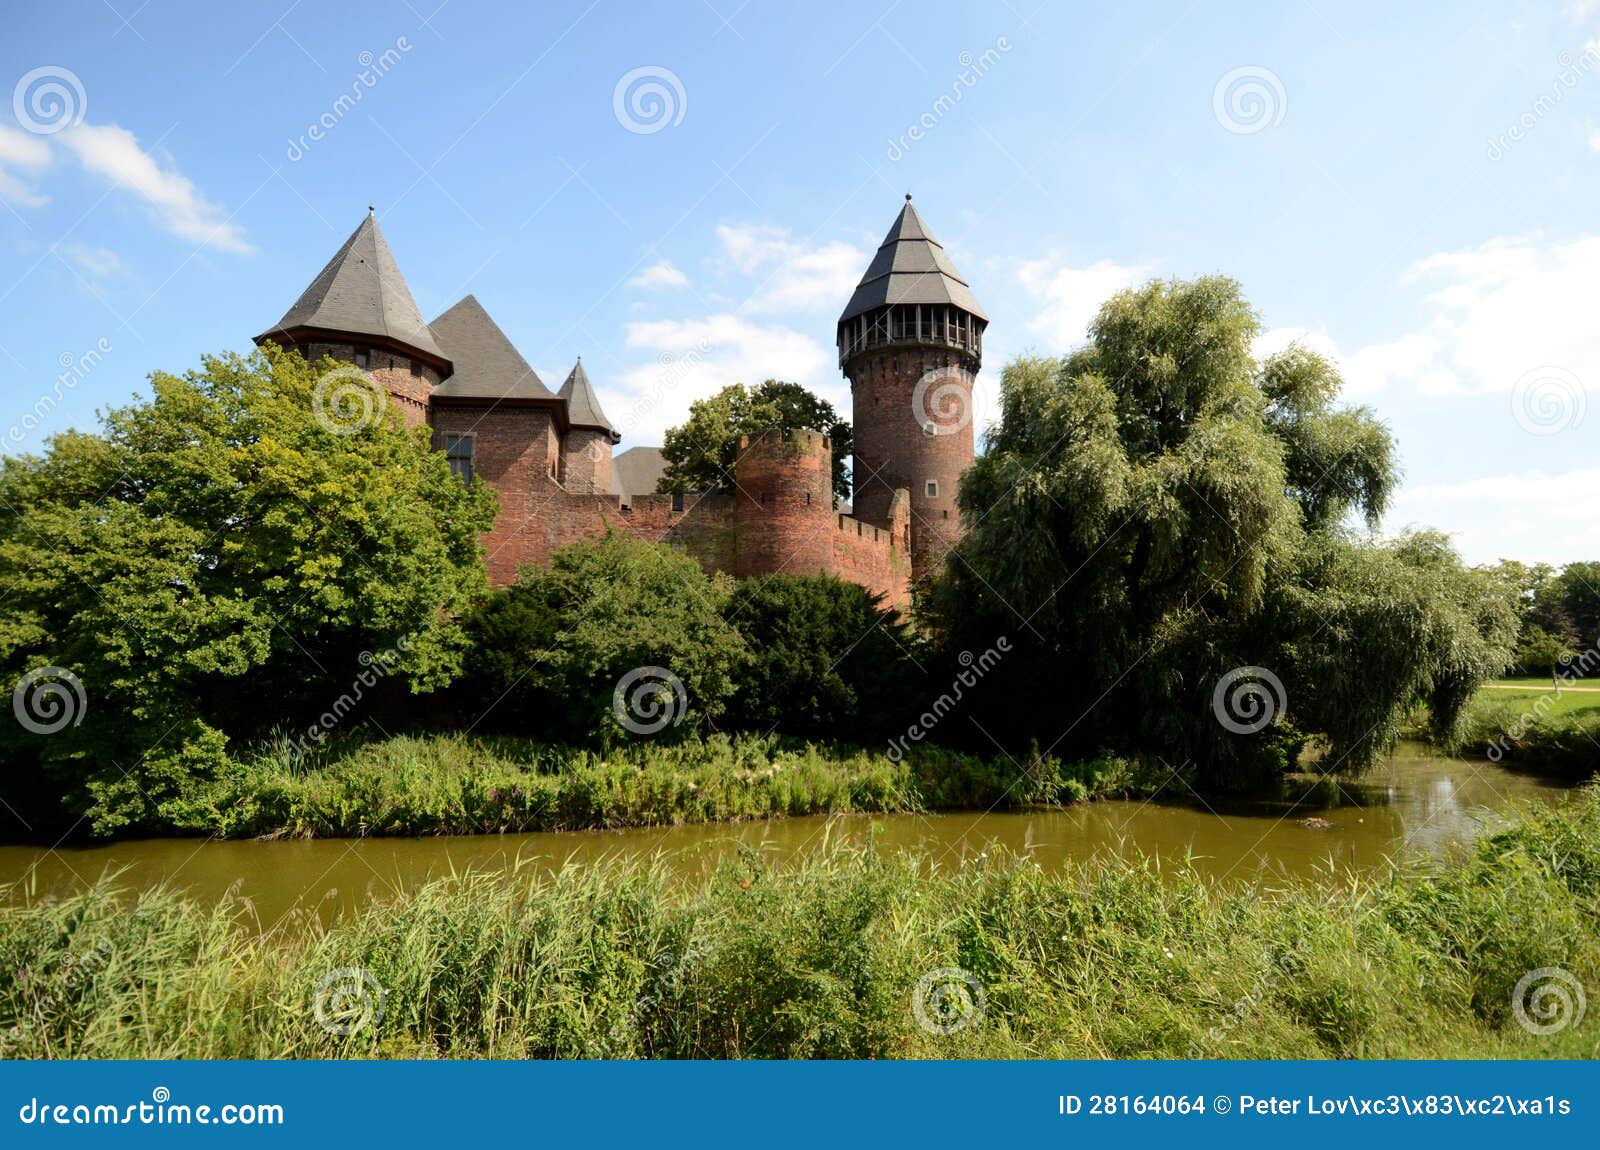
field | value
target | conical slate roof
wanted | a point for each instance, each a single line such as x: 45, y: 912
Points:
x: 487, y: 364
x: 911, y: 267
x: 583, y: 409
x: 361, y: 292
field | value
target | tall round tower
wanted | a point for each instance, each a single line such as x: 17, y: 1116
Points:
x: 911, y: 343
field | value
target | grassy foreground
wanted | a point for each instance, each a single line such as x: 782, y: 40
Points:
x: 456, y: 784
x: 827, y: 958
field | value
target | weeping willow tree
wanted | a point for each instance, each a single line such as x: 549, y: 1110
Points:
x: 1163, y: 523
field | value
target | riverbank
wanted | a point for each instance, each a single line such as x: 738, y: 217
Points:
x: 1534, y: 725
x: 851, y: 953
x: 458, y: 785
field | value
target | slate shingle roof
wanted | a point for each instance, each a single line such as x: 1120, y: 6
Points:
x: 911, y: 267
x: 583, y: 408
x: 637, y: 471
x: 362, y: 292
x: 487, y: 364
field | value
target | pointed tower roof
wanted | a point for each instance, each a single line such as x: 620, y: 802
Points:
x: 911, y: 267
x: 487, y: 364
x: 583, y: 408
x: 360, y: 292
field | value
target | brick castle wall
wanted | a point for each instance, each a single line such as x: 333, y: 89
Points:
x: 894, y: 449
x: 409, y: 383
x: 586, y: 462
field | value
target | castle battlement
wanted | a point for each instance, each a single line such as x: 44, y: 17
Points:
x: 910, y: 340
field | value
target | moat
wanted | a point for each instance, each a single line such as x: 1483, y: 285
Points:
x: 1416, y: 803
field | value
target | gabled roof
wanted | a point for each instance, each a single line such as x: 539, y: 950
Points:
x: 637, y: 471
x: 361, y: 292
x: 487, y: 363
x: 583, y: 408
x: 911, y: 267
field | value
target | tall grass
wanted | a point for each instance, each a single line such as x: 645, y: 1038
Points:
x: 1540, y: 732
x: 457, y: 784
x: 822, y: 958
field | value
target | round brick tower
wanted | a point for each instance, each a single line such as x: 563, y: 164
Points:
x: 911, y: 343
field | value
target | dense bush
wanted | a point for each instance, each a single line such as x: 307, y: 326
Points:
x: 551, y: 649
x: 227, y: 556
x: 825, y: 958
x: 1528, y: 733
x: 826, y: 660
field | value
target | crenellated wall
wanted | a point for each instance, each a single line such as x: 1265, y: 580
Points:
x: 779, y: 517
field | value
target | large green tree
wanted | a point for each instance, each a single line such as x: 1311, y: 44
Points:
x: 1159, y: 513
x: 229, y: 555
x: 702, y: 451
x: 614, y: 638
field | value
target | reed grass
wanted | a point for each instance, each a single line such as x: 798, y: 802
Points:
x: 821, y: 958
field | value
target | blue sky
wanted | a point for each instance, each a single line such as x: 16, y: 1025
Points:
x: 1407, y: 187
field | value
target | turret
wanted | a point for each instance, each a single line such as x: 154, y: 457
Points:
x: 360, y: 310
x: 911, y: 343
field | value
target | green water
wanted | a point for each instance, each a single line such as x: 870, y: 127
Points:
x: 1416, y: 802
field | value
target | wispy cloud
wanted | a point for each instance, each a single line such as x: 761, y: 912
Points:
x: 20, y: 151
x: 114, y: 153
x: 660, y: 275
x: 793, y: 275
x: 1069, y: 297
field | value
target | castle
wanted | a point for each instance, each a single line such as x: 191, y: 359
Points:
x: 910, y: 341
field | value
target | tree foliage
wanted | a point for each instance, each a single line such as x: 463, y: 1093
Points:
x: 701, y: 452
x: 827, y: 661
x: 215, y: 562
x: 1158, y: 510
x: 551, y: 649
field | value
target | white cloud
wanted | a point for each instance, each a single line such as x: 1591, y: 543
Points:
x: 795, y: 276
x: 1070, y: 297
x: 21, y: 151
x: 1533, y: 516
x: 94, y: 262
x: 114, y: 153
x: 660, y: 275
x: 696, y: 358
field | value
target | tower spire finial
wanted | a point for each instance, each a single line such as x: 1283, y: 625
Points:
x: 373, y: 211
x: 908, y: 197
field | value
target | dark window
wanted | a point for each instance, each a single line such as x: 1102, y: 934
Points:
x: 363, y: 358
x: 677, y: 501
x: 458, y: 450
x: 416, y: 368
x: 932, y: 489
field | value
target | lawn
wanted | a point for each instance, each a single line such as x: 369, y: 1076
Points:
x: 1569, y: 700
